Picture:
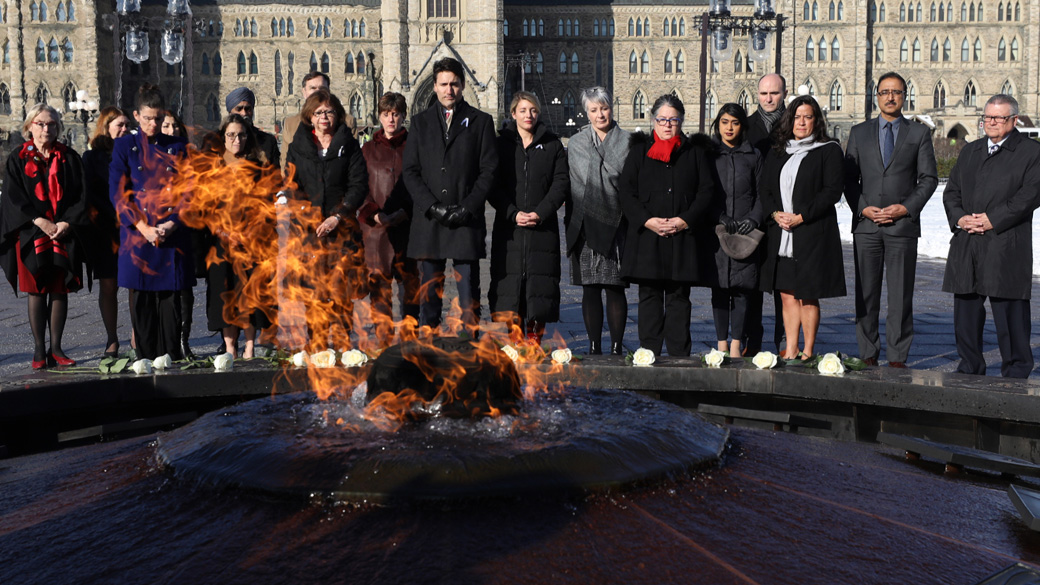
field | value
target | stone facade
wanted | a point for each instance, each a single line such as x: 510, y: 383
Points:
x: 639, y: 50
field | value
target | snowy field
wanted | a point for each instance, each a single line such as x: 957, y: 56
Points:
x: 935, y: 231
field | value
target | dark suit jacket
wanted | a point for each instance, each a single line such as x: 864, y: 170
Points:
x: 1006, y: 187
x: 909, y: 179
x: 457, y: 171
x: 757, y: 134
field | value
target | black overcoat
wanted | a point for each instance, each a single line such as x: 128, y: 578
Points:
x: 527, y: 259
x: 738, y: 170
x: 817, y: 244
x: 457, y: 170
x: 1006, y: 187
x: 337, y: 181
x: 682, y: 187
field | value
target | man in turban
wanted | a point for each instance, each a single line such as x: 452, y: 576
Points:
x: 242, y: 101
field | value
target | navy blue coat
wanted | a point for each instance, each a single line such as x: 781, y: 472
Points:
x: 138, y: 177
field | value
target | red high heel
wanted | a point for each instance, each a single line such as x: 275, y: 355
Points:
x: 62, y: 361
x: 39, y: 365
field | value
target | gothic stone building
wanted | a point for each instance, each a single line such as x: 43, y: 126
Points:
x: 954, y: 55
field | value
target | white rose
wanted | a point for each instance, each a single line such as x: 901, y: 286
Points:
x: 764, y: 360
x: 301, y: 359
x: 142, y: 367
x: 511, y: 352
x: 831, y: 365
x: 223, y: 362
x: 324, y: 359
x: 714, y: 358
x: 643, y: 357
x: 282, y: 199
x: 353, y: 358
x: 162, y: 362
x: 561, y: 356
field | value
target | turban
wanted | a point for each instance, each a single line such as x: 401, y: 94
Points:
x: 242, y: 94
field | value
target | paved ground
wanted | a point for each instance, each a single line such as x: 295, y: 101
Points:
x: 933, y: 346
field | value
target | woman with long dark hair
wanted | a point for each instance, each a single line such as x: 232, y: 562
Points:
x: 595, y: 224
x: 802, y: 178
x: 667, y: 192
x: 113, y: 123
x: 42, y: 218
x: 738, y: 165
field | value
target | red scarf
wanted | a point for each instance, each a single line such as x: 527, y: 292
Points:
x: 34, y: 160
x: 662, y: 149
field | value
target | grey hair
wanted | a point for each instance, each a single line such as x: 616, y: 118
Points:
x: 39, y: 109
x: 1003, y: 98
x: 595, y: 95
x: 671, y: 100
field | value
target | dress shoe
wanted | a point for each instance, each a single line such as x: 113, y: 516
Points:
x: 39, y: 364
x: 595, y: 348
x: 617, y: 348
x: 61, y: 360
x: 900, y: 365
x: 870, y: 361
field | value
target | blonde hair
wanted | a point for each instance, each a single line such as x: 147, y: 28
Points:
x: 36, y: 111
x: 524, y: 96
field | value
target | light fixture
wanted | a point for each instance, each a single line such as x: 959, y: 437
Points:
x: 721, y: 47
x: 764, y: 9
x: 758, y: 43
x: 128, y: 6
x: 719, y: 7
x: 137, y: 45
x: 172, y: 47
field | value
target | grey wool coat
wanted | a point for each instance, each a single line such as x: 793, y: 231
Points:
x: 1006, y: 187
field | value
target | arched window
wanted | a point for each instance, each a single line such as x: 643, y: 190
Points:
x: 841, y: 10
x: 633, y: 63
x: 34, y: 12
x: 738, y: 63
x: 574, y: 63
x: 68, y: 93
x: 325, y: 68
x: 710, y: 104
x: 281, y: 27
x: 933, y: 55
x: 328, y: 28
x: 253, y: 29
x: 238, y: 26
x: 595, y: 27
x: 1007, y: 88
x: 5, y: 100
x: 835, y: 50
x: 675, y: 27
x: 505, y: 27
x: 639, y: 106
x: 241, y: 63
x: 744, y: 99
x: 680, y: 62
x: 524, y: 30
x: 920, y: 14
x: 277, y: 73
x: 539, y: 63
x: 357, y: 106
x: 631, y: 27
x: 917, y: 51
x: 577, y: 27
x: 979, y: 11
x: 644, y: 63
x: 317, y: 32
x: 939, y: 96
x: 964, y: 12
x: 970, y: 94
x: 42, y: 94
x: 563, y: 63
x: 810, y: 49
x: 977, y: 53
x: 290, y: 30
x: 66, y: 50
x: 205, y: 64
x: 567, y: 28
x: 942, y: 12
x: 911, y: 96
x: 871, y: 12
x: 52, y: 51
x: 639, y: 28
x: 59, y: 13
x: 836, y: 97
x: 682, y: 26
x: 831, y: 11
x: 668, y: 62
x: 7, y: 52
x: 1000, y: 11
x: 1018, y: 13
x: 355, y: 28
x: 274, y: 27
x: 815, y: 10
x: 1014, y: 49
x: 646, y: 27
x: 947, y: 50
x: 881, y: 13
x: 362, y: 29
x: 212, y: 109
x: 879, y: 51
x: 559, y: 27
x: 71, y: 13
x: 971, y: 13
x: 932, y: 14
x: 821, y: 50
x: 965, y: 51
x: 218, y: 64
x: 350, y: 64
x: 1001, y: 50
x: 665, y: 27
x: 41, y: 51
x: 611, y: 29
x: 541, y: 28
x: 254, y: 68
x: 805, y: 10
x: 902, y: 13
x: 872, y: 91
x: 360, y: 63
x: 903, y: 53
x: 43, y: 11
x: 569, y: 106
x: 910, y: 14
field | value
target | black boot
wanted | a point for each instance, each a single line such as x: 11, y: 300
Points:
x: 185, y: 347
x: 617, y: 348
x: 594, y: 348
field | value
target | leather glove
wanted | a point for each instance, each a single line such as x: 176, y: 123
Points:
x: 730, y: 223
x: 746, y: 226
x: 458, y: 216
x: 438, y: 212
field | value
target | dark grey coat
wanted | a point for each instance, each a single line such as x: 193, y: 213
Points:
x: 458, y: 170
x: 682, y: 187
x: 1006, y: 187
x: 738, y: 172
x: 527, y: 259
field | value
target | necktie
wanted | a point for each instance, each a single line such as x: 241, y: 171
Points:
x: 447, y: 123
x: 888, y: 145
x: 993, y: 148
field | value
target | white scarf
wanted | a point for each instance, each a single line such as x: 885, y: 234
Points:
x: 797, y: 149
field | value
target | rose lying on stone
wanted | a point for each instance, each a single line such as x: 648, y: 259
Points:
x: 714, y: 358
x: 162, y: 362
x: 561, y: 356
x: 830, y: 365
x: 764, y: 360
x: 643, y: 357
x: 142, y: 367
x: 511, y: 352
x: 223, y: 362
x: 353, y: 358
x: 300, y: 359
x: 323, y: 359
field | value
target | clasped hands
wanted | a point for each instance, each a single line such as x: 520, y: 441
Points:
x: 527, y: 219
x: 156, y: 235
x: 975, y: 223
x: 788, y: 221
x: 666, y: 227
x: 743, y: 227
x: 55, y: 231
x: 885, y: 216
x: 450, y: 216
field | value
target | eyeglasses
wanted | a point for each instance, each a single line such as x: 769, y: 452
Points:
x: 325, y: 114
x: 668, y: 121
x: 891, y: 92
x: 236, y: 137
x: 997, y: 119
x: 47, y: 125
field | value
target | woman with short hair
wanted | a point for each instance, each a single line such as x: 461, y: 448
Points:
x: 42, y: 215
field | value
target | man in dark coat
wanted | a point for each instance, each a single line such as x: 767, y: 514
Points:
x: 241, y: 101
x: 772, y: 96
x: 993, y: 190
x: 889, y: 176
x: 449, y: 167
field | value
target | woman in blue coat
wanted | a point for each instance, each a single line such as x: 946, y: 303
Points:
x: 155, y: 259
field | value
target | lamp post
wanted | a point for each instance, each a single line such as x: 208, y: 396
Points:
x: 85, y: 110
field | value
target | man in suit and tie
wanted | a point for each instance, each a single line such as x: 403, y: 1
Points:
x: 449, y: 165
x: 993, y: 190
x: 890, y: 175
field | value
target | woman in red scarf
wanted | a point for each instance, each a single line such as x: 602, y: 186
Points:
x: 42, y: 209
x: 666, y: 191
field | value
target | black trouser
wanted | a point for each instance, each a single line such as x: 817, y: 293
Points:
x: 431, y: 290
x: 729, y: 306
x: 754, y: 331
x: 157, y: 323
x: 664, y: 315
x: 1011, y: 320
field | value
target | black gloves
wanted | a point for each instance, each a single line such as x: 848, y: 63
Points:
x: 458, y: 216
x: 438, y: 212
x: 451, y: 216
x: 730, y: 223
x: 746, y: 226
